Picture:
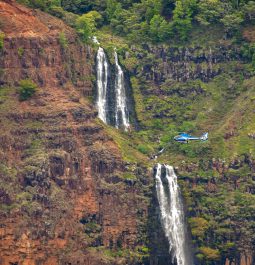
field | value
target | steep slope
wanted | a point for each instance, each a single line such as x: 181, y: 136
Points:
x: 205, y: 84
x: 63, y: 188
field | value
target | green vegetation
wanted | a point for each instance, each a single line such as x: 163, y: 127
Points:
x: 133, y: 256
x: 20, y: 52
x: 128, y: 145
x: 63, y: 40
x: 27, y: 89
x: 86, y: 24
x: 1, y: 40
x: 150, y: 20
x: 210, y: 254
x: 41, y: 4
x: 163, y: 20
x: 198, y: 226
x: 145, y: 149
x: 129, y: 176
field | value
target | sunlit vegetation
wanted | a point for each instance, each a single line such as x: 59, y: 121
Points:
x: 27, y: 89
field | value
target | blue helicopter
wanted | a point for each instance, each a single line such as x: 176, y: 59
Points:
x: 185, y: 138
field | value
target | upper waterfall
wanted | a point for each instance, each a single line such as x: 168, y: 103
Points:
x: 111, y: 99
x: 172, y: 216
x: 102, y: 67
x: 121, y: 109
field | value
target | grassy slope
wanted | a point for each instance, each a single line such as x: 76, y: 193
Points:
x: 226, y: 111
x: 226, y: 107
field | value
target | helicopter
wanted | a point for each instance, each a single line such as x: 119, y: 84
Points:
x: 185, y: 137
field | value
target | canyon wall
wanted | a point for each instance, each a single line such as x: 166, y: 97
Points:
x: 200, y: 88
x: 63, y: 197
x: 67, y: 196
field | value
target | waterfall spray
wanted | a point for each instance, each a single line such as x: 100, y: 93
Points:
x: 172, y: 216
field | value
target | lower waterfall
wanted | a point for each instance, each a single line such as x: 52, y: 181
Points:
x: 172, y: 215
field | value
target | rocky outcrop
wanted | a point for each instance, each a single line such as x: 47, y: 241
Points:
x: 187, y: 63
x: 244, y: 259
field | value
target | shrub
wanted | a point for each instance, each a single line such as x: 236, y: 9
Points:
x: 209, y: 253
x: 143, y: 249
x: 63, y: 40
x: 128, y: 175
x: 20, y: 52
x: 200, y: 256
x: 1, y: 40
x: 27, y: 88
x: 143, y: 149
x: 198, y: 226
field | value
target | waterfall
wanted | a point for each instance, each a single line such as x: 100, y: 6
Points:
x: 111, y: 98
x: 172, y: 215
x: 121, y: 110
x: 102, y: 84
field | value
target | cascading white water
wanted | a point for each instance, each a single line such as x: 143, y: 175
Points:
x: 121, y: 110
x: 102, y: 83
x: 172, y: 215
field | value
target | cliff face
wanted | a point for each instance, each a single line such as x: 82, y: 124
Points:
x: 42, y: 48
x: 232, y: 218
x: 61, y: 188
x: 187, y: 63
x: 198, y: 88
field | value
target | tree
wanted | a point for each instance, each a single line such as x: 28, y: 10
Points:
x: 154, y: 27
x: 210, y: 253
x: 159, y: 28
x: 111, y: 7
x: 86, y: 24
x: 249, y: 10
x: 83, y: 6
x: 153, y: 7
x: 210, y: 11
x: 165, y: 30
x: 182, y: 17
x: 232, y: 22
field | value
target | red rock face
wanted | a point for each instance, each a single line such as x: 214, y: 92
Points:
x: 32, y: 49
x: 61, y: 190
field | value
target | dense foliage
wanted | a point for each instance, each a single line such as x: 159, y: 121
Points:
x: 153, y: 20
